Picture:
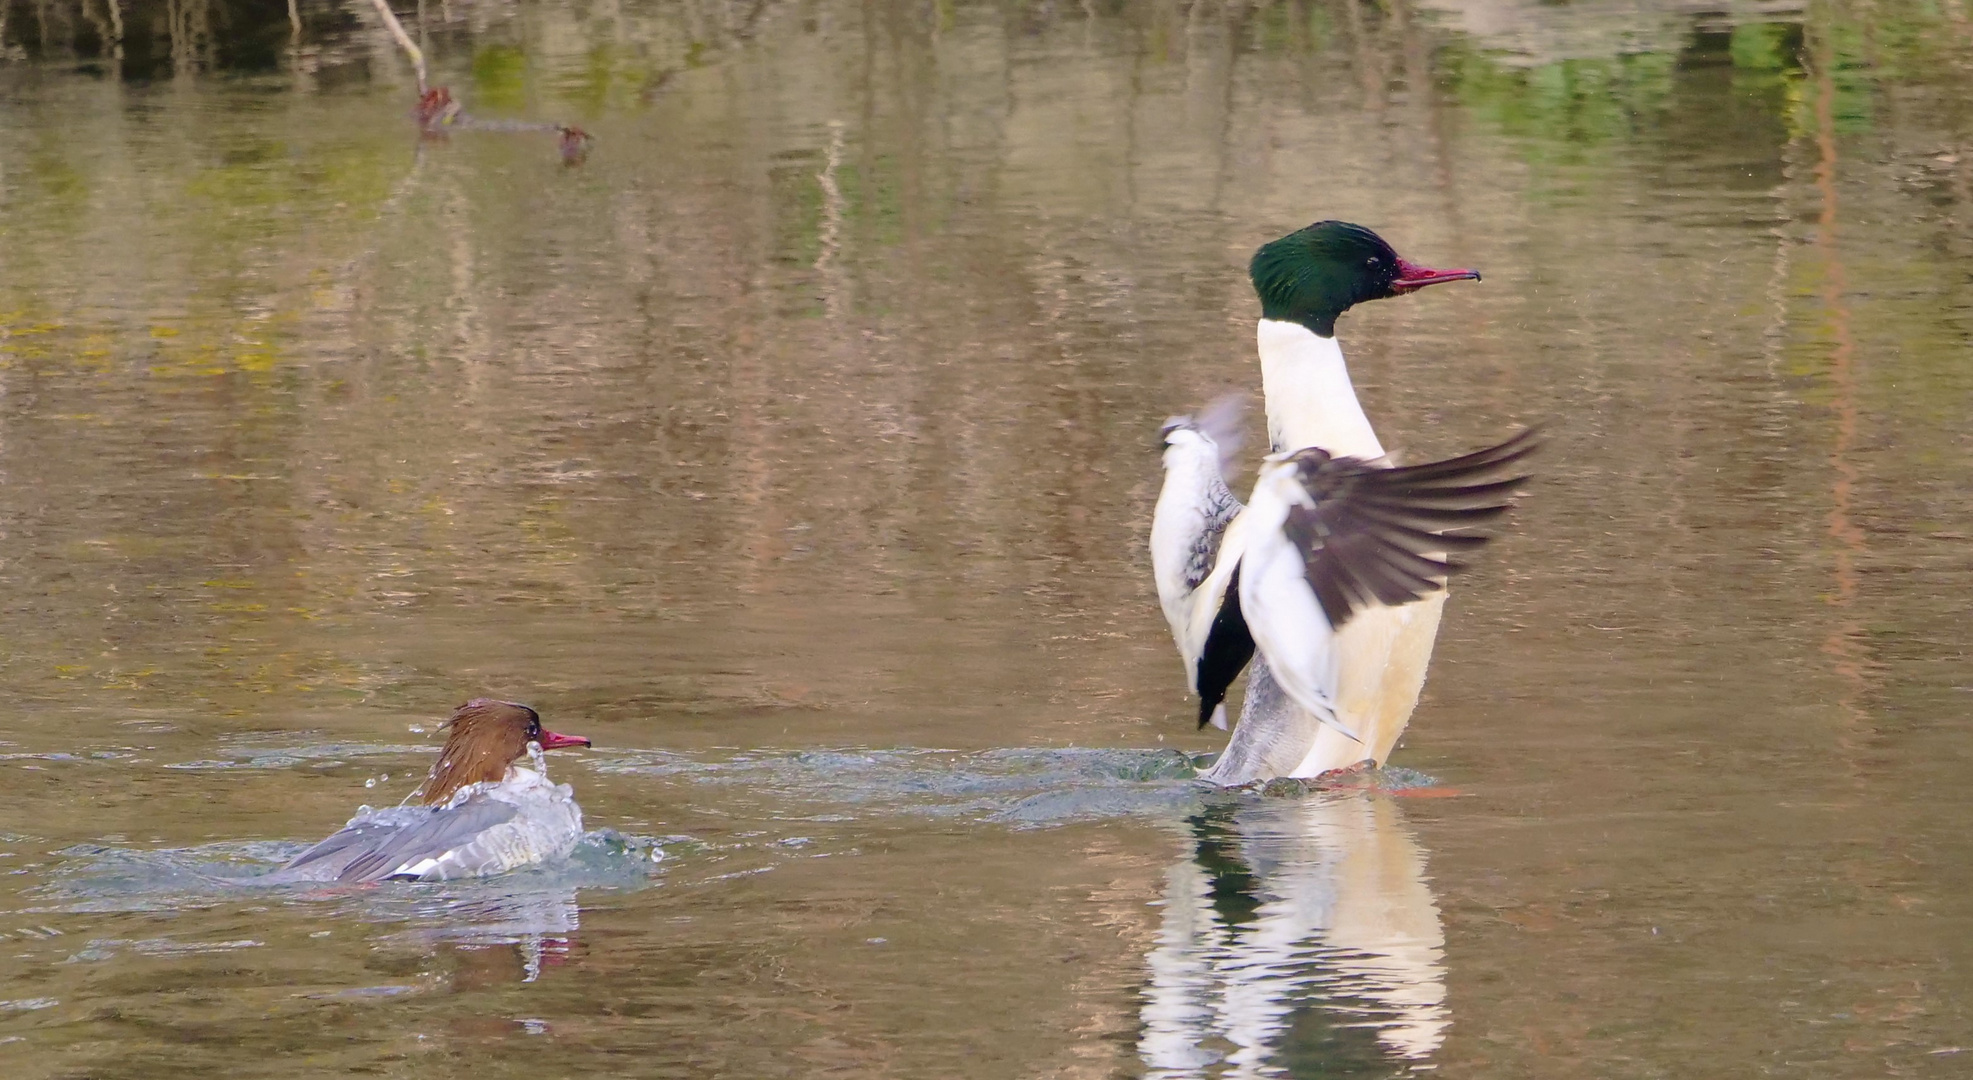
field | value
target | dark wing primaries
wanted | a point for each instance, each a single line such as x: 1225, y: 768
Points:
x: 1229, y: 646
x: 1381, y: 536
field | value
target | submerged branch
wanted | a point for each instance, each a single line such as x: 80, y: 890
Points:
x: 403, y: 39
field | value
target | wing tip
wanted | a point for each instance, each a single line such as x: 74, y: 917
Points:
x: 1218, y: 423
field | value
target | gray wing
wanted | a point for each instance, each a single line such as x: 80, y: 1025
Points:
x: 1217, y: 505
x: 1221, y: 507
x: 369, y: 851
x: 1220, y: 422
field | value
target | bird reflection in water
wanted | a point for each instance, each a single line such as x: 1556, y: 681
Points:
x: 500, y: 940
x: 1299, y: 939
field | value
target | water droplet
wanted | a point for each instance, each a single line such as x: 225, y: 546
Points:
x: 372, y: 782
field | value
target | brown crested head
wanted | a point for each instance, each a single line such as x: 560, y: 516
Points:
x: 483, y: 737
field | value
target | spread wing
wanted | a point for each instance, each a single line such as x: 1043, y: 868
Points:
x: 371, y: 850
x: 1334, y: 535
x: 1218, y: 507
x: 1190, y: 557
x: 1371, y: 535
x: 1219, y: 422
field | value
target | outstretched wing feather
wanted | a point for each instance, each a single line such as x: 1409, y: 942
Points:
x: 370, y: 850
x: 1383, y: 535
x: 444, y: 830
x: 1477, y: 463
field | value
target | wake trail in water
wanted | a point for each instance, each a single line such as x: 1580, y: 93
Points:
x: 782, y: 805
x: 1017, y: 787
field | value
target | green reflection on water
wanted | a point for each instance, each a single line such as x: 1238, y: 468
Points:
x: 1569, y: 112
x: 500, y: 78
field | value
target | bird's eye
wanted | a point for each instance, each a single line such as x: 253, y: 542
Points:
x: 1373, y: 262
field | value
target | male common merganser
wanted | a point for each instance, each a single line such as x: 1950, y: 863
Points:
x: 1350, y: 673
x: 481, y: 811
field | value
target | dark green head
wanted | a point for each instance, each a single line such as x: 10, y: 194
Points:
x: 1312, y: 275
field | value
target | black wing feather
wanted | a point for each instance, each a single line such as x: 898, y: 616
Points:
x: 1229, y: 646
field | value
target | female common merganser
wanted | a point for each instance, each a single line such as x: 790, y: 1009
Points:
x: 482, y: 812
x: 1345, y: 689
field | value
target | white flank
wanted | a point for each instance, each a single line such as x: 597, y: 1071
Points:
x: 1382, y: 654
x: 1282, y: 613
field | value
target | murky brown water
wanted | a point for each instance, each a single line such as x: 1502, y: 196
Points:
x: 800, y: 448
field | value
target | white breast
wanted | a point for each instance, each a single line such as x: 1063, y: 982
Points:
x: 1310, y: 401
x: 1381, y: 654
